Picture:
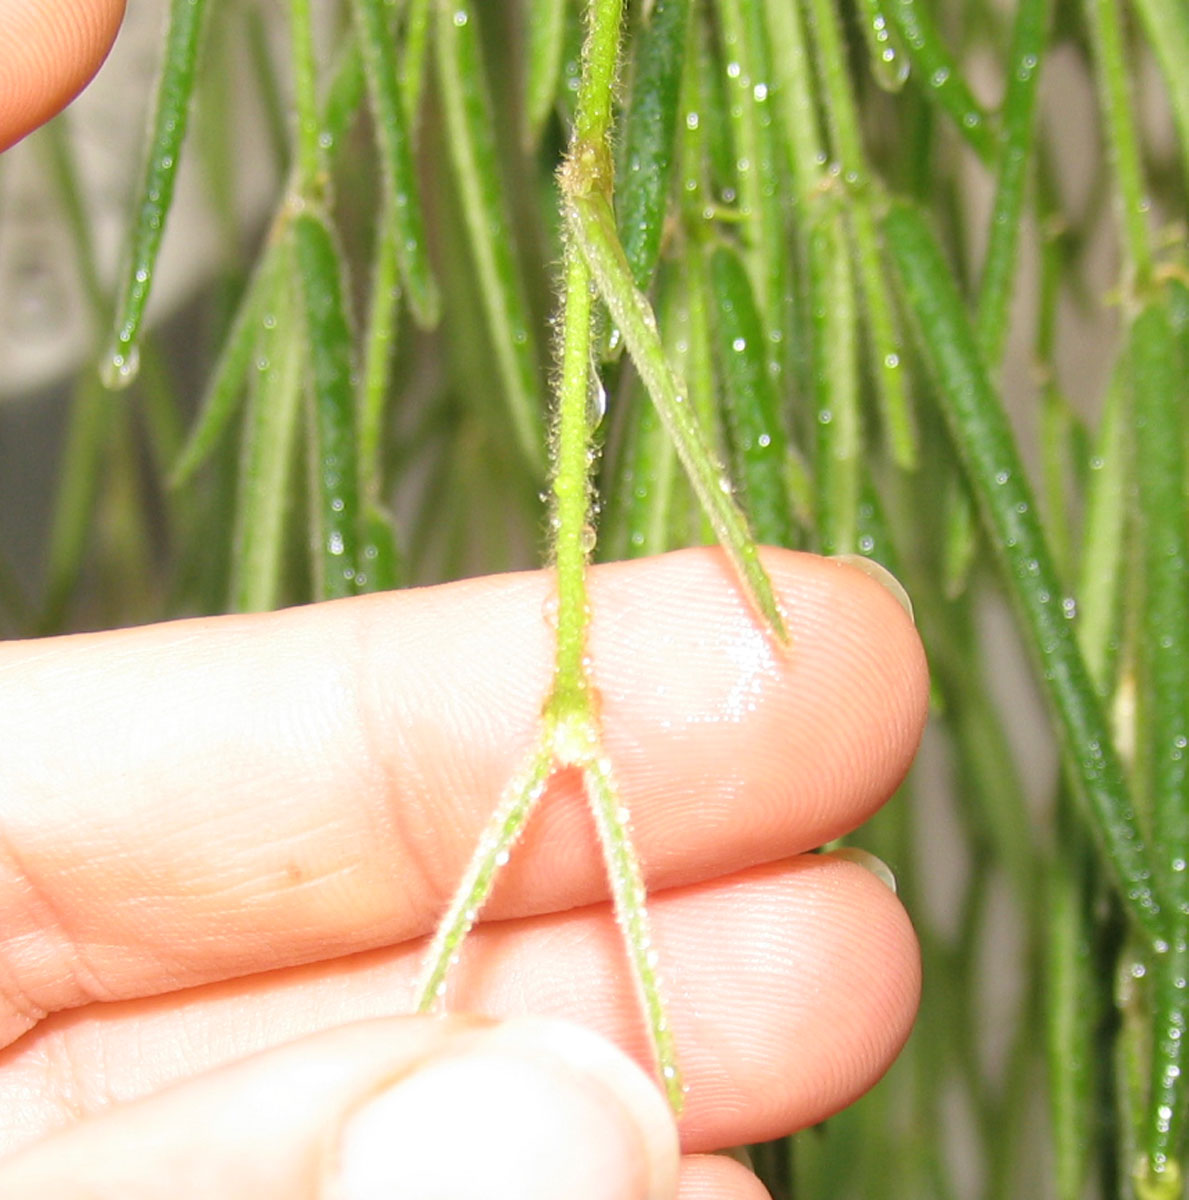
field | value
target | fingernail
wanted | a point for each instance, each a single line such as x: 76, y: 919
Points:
x: 525, y: 1110
x: 869, y: 862
x: 882, y: 576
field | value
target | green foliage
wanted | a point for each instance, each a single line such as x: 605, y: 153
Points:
x: 767, y: 260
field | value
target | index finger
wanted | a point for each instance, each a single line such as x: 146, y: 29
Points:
x: 49, y: 50
x: 210, y: 798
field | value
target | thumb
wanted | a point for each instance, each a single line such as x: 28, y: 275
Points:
x: 49, y: 49
x: 414, y: 1107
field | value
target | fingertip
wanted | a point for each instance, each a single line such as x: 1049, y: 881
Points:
x: 718, y: 1177
x: 49, y: 50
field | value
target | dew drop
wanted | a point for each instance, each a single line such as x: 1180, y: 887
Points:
x: 121, y: 368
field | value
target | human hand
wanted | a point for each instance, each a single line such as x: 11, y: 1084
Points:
x: 49, y: 49
x: 225, y: 839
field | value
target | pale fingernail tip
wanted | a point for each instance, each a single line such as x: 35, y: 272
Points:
x: 869, y: 862
x: 524, y: 1110
x: 592, y: 1056
x: 881, y: 575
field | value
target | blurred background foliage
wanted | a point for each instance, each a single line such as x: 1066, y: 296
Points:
x: 922, y: 267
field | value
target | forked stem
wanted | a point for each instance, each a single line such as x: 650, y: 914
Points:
x: 570, y: 735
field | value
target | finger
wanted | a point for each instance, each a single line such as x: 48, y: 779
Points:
x: 404, y: 1107
x: 205, y: 799
x: 790, y: 987
x: 49, y: 49
x: 713, y: 1177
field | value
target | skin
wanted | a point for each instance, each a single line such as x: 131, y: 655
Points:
x: 49, y: 50
x: 223, y: 843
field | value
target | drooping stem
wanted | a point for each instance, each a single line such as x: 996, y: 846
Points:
x: 589, y: 160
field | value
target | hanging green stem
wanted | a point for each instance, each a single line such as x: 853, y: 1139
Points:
x: 401, y: 192
x: 1114, y: 81
x: 270, y: 428
x: 939, y: 76
x: 170, y: 118
x: 418, y: 22
x: 836, y: 386
x: 983, y: 439
x: 758, y: 442
x: 1166, y: 23
x: 884, y: 346
x: 1159, y: 405
x: 333, y: 445
x: 226, y: 382
x: 377, y: 364
x: 1029, y: 39
x: 650, y: 130
x: 468, y: 110
x: 593, y: 228
x: 546, y: 49
x: 311, y: 180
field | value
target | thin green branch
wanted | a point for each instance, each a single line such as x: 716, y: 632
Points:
x: 121, y: 361
x: 985, y: 443
x: 1114, y: 86
x: 468, y: 111
x: 593, y: 228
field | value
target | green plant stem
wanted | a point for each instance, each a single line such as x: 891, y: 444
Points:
x: 593, y: 227
x: 939, y: 77
x: 418, y: 22
x: 632, y: 913
x: 758, y: 441
x: 311, y: 179
x: 263, y: 496
x: 494, y: 847
x: 980, y: 431
x: 377, y: 363
x: 1159, y: 397
x: 546, y: 48
x: 1114, y: 80
x: 887, y: 358
x: 649, y: 137
x: 836, y: 385
x: 335, y: 511
x: 467, y: 107
x: 121, y: 360
x: 226, y: 381
x: 571, y: 492
x: 792, y: 71
x: 887, y: 54
x: 87, y: 438
x: 1166, y: 23
x: 401, y: 193
x: 571, y: 735
x: 1029, y: 38
x: 758, y: 180
x: 1069, y: 1019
